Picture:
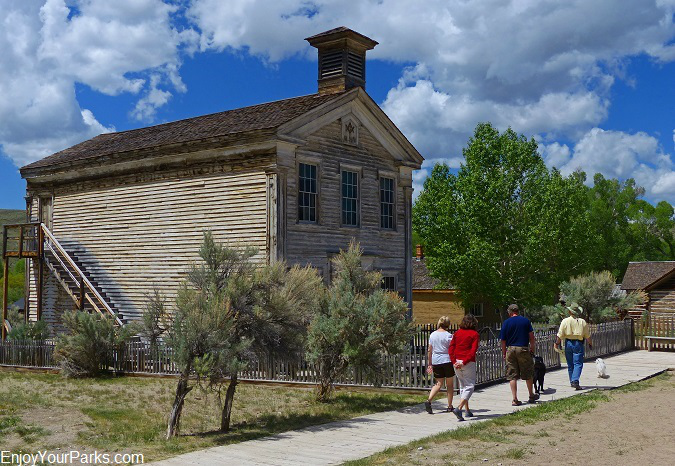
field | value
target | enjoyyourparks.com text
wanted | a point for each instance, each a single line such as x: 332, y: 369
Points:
x: 68, y: 457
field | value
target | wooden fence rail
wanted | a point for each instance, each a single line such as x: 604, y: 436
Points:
x: 406, y: 370
x: 656, y: 324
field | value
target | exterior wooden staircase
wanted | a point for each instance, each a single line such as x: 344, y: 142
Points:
x: 34, y: 241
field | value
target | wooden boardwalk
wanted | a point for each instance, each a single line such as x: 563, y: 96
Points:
x: 337, y: 442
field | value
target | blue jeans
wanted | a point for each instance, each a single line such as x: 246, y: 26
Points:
x: 574, y: 353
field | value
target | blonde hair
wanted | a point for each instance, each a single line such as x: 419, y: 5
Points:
x: 444, y: 322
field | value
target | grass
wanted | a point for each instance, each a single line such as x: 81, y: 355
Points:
x: 129, y: 414
x: 501, y: 430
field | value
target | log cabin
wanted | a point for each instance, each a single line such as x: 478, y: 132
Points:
x: 657, y: 280
x: 115, y: 216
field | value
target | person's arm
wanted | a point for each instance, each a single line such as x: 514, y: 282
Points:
x: 587, y: 334
x: 533, y: 343
x: 474, y: 346
x: 429, y: 350
x: 559, y: 337
x: 504, y: 349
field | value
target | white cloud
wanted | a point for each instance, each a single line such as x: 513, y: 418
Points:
x: 542, y: 68
x: 112, y: 47
x: 617, y: 154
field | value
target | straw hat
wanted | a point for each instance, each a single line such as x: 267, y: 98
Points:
x: 575, y: 309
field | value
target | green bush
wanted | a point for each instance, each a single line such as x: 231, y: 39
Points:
x: 85, y: 350
x: 357, y: 323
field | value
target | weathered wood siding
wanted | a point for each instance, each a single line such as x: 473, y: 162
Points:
x: 133, y: 236
x: 315, y: 244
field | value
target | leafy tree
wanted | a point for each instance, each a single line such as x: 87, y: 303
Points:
x: 90, y: 339
x: 232, y: 311
x: 357, y: 323
x: 505, y: 228
x: 596, y: 293
x: 628, y: 228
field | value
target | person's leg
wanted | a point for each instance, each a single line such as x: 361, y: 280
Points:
x: 512, y: 373
x: 569, y: 357
x: 530, y: 384
x: 450, y: 387
x: 470, y: 383
x: 435, y: 389
x: 578, y: 360
x: 514, y: 389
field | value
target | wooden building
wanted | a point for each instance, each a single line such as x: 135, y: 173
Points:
x: 432, y: 300
x: 657, y: 279
x: 298, y: 179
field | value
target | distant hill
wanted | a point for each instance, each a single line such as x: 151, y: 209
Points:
x: 12, y: 216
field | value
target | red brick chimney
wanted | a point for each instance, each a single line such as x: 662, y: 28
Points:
x: 342, y: 59
x: 420, y: 252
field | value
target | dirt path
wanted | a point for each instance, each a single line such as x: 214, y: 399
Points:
x: 637, y: 426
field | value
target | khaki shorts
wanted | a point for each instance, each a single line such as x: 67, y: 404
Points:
x: 519, y: 363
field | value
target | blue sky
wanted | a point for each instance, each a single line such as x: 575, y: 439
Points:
x: 594, y: 85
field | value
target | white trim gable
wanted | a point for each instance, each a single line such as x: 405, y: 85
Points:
x: 355, y: 104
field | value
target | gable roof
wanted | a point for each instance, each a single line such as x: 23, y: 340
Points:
x: 242, y: 120
x: 640, y: 275
x: 422, y: 280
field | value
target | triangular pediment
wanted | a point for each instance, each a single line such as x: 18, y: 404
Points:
x: 358, y: 108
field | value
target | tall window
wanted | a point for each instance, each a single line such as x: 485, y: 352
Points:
x: 307, y: 193
x: 350, y: 198
x: 387, y: 203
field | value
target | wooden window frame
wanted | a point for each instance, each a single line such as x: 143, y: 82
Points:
x: 393, y: 204
x: 393, y: 277
x: 317, y: 166
x: 481, y: 307
x: 359, y: 180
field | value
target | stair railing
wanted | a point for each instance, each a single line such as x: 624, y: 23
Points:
x: 87, y: 291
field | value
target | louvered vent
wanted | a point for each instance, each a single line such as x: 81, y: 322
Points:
x: 331, y: 64
x: 342, y: 59
x: 355, y: 65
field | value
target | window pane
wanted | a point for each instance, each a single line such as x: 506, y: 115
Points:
x: 387, y: 203
x: 307, y: 192
x: 389, y: 283
x: 350, y: 201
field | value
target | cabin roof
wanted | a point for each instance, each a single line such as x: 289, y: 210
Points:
x: 640, y: 275
x: 242, y: 120
x: 422, y: 279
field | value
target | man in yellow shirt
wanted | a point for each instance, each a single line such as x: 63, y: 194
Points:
x: 574, y: 330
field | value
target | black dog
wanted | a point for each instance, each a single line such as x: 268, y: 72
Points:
x: 539, y: 373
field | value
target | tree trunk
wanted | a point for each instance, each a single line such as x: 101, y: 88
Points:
x: 327, y: 376
x: 324, y: 390
x: 227, y: 406
x: 182, y: 390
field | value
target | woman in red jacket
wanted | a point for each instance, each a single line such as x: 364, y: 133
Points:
x: 463, y: 347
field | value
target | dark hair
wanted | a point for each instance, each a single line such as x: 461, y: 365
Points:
x: 469, y: 322
x: 513, y: 309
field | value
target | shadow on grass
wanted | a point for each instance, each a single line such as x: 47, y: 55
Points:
x: 343, y: 407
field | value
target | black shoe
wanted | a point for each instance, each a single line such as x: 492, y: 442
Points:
x: 469, y: 413
x: 458, y: 413
x: 533, y: 398
x: 427, y: 406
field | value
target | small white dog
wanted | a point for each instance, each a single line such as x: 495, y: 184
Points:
x: 602, y: 368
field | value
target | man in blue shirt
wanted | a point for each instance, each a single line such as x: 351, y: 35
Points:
x: 518, y: 346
